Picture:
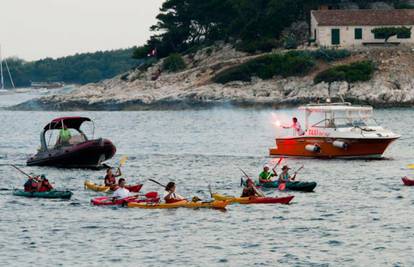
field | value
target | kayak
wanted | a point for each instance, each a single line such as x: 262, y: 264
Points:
x: 294, y: 185
x: 253, y: 200
x: 107, y: 201
x: 47, y: 194
x: 407, y: 181
x: 180, y: 204
x: 102, y: 188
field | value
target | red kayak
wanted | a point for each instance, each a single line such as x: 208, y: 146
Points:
x: 407, y: 181
x: 107, y: 201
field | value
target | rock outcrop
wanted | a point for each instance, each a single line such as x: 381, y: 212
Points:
x: 392, y: 85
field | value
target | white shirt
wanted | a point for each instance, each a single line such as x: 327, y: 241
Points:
x: 121, y: 193
x: 173, y: 195
x: 298, y: 128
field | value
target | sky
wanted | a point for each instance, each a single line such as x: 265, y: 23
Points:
x: 35, y: 29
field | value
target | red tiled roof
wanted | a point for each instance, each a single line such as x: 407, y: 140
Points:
x: 364, y: 17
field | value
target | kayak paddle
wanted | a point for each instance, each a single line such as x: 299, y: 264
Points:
x: 259, y: 191
x: 122, y: 161
x: 152, y: 180
x: 282, y: 186
x: 14, y: 166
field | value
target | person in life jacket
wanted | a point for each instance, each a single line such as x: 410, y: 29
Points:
x: 110, y: 178
x: 169, y: 195
x: 296, y: 127
x: 285, y: 176
x: 45, y: 186
x: 32, y: 184
x: 250, y: 190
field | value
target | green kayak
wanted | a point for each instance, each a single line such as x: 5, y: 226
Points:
x: 293, y: 186
x: 48, y: 194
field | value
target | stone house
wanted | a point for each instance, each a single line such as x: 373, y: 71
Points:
x: 347, y: 28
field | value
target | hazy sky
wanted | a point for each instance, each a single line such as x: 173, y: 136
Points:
x: 33, y: 29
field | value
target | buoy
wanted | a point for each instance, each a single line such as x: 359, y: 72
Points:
x: 313, y: 148
x: 340, y: 144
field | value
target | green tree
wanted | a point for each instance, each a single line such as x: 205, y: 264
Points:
x: 387, y: 32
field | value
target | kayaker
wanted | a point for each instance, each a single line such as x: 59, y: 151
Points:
x: 121, y: 192
x: 32, y: 184
x: 265, y: 176
x: 169, y: 195
x: 296, y: 127
x: 64, y: 135
x: 110, y: 177
x: 44, y: 184
x: 250, y: 190
x: 285, y: 176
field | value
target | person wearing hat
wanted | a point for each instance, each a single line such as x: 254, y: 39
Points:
x: 285, y: 176
x: 265, y: 176
x: 32, y: 184
x: 250, y: 190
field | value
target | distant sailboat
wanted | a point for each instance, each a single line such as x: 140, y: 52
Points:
x: 2, y: 86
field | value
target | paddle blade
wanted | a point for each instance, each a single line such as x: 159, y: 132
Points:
x: 122, y: 161
x: 282, y: 186
x: 151, y: 195
x: 410, y: 166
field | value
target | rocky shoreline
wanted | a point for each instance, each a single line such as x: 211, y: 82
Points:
x: 391, y: 86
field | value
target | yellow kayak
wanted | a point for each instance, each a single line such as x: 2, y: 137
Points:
x: 180, y: 204
x: 102, y: 188
x: 253, y: 200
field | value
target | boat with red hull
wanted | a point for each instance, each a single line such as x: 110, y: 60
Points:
x: 407, y: 181
x: 78, y: 152
x: 338, y: 130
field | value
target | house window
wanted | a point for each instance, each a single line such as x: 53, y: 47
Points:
x: 404, y: 35
x: 358, y: 34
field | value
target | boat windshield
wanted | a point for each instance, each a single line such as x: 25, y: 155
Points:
x: 345, y: 123
x: 57, y: 139
x: 340, y: 118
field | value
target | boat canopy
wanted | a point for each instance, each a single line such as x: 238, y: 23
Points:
x: 337, y: 111
x: 70, y: 122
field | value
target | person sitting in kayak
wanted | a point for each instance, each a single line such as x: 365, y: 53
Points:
x: 250, y: 190
x: 45, y: 186
x: 265, y: 176
x: 285, y: 177
x: 121, y: 192
x: 169, y: 195
x: 110, y: 177
x: 296, y: 127
x: 64, y: 136
x: 32, y: 184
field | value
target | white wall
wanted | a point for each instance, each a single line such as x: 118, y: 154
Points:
x: 347, y: 35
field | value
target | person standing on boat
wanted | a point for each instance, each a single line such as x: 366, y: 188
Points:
x: 64, y: 135
x: 169, y: 195
x: 285, y: 177
x: 110, y: 177
x: 121, y: 192
x: 265, y: 176
x: 296, y: 127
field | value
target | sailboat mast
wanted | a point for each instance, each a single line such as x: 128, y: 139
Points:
x: 1, y: 71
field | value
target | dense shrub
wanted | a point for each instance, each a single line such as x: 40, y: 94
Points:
x: 173, y: 63
x: 354, y: 72
x: 259, y: 45
x: 323, y: 54
x: 266, y: 67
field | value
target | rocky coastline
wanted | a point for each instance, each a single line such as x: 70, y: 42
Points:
x: 391, y: 86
